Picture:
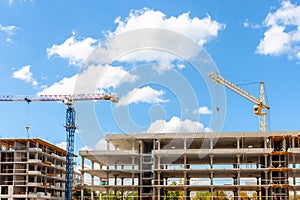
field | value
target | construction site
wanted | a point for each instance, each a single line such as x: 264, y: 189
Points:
x: 150, y: 165
x: 263, y: 162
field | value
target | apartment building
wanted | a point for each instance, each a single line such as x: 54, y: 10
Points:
x: 31, y: 169
x: 266, y: 163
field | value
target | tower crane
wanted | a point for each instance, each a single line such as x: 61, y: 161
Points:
x: 260, y: 107
x: 70, y: 126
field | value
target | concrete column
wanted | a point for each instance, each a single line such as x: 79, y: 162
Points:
x: 211, y: 178
x: 284, y: 144
x: 158, y: 144
x: 258, y: 192
x: 211, y: 143
x: 185, y: 196
x: 132, y: 147
x: 158, y: 179
x: 238, y: 161
x: 184, y: 162
x: 294, y: 160
x: 211, y: 161
x: 238, y: 142
x: 158, y: 162
x: 293, y: 142
x: 266, y: 142
x: 82, y: 178
x: 132, y: 194
x: 211, y: 193
x: 294, y: 178
x: 107, y: 189
x: 158, y: 194
x: 107, y: 145
x: 238, y: 180
x: 266, y: 161
x: 239, y: 194
x: 93, y: 181
x: 184, y: 144
x: 267, y: 193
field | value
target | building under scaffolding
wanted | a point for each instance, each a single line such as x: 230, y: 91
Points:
x: 263, y: 162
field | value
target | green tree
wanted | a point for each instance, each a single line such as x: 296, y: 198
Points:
x: 220, y: 195
x: 174, y: 195
x: 128, y: 196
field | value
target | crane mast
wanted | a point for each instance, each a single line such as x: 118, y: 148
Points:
x: 260, y: 107
x: 70, y: 126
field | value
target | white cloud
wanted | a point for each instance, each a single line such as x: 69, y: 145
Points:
x: 11, y: 2
x: 283, y: 34
x: 87, y: 82
x: 62, y: 145
x: 64, y: 87
x: 203, y: 110
x: 86, y: 148
x: 275, y: 41
x: 76, y: 51
x: 200, y: 30
x: 10, y: 30
x: 175, y: 124
x: 102, y: 145
x: 142, y: 95
x: 181, y: 66
x: 25, y: 74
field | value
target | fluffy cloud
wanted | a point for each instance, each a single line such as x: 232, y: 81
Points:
x: 145, y: 95
x: 283, y: 34
x: 102, y: 145
x: 175, y: 124
x: 10, y: 30
x: 62, y: 145
x: 203, y: 110
x: 25, y: 74
x: 11, y: 2
x: 200, y: 30
x: 76, y: 51
x: 64, y: 86
x: 87, y: 82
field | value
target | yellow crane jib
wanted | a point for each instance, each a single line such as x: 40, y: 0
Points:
x: 260, y: 107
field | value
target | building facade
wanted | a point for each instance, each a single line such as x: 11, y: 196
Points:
x: 264, y: 163
x: 31, y: 169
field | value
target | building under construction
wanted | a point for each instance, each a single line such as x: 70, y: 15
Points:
x: 31, y: 169
x: 233, y: 162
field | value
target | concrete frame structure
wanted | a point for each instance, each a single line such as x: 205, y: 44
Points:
x: 31, y: 169
x: 146, y: 163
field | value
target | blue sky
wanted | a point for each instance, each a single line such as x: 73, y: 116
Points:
x: 44, y: 45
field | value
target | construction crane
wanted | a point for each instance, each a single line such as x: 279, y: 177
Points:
x: 70, y: 126
x: 260, y: 107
